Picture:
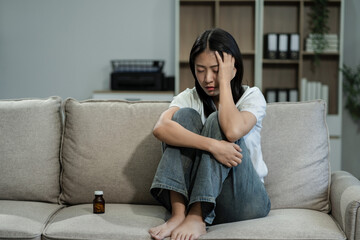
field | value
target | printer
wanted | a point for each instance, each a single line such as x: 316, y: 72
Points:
x: 140, y: 75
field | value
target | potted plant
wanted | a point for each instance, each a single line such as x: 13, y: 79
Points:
x: 319, y: 16
x: 351, y: 87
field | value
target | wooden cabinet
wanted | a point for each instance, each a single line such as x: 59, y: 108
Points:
x: 248, y: 21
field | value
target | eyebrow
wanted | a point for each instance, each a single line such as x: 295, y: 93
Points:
x: 213, y: 66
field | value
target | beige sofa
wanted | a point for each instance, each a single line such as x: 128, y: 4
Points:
x: 50, y: 170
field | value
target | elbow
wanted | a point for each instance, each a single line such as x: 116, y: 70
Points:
x: 233, y: 136
x: 160, y: 130
x: 156, y: 132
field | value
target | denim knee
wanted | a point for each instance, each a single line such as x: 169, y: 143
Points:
x: 188, y: 118
x: 212, y: 127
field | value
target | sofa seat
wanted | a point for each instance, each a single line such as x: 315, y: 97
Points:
x: 281, y: 224
x: 129, y: 221
x: 120, y: 221
x: 24, y: 219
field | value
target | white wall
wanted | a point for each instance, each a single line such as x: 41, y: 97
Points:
x: 64, y: 47
x: 351, y: 129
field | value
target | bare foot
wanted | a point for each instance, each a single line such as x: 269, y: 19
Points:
x: 190, y: 229
x: 164, y: 230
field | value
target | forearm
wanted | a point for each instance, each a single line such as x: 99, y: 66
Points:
x: 229, y: 115
x: 174, y: 134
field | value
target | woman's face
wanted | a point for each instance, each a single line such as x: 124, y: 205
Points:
x: 206, y: 70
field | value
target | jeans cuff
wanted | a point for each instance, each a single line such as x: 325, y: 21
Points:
x: 202, y: 199
x: 170, y: 188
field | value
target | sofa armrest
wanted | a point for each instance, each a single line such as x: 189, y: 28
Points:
x: 345, y: 202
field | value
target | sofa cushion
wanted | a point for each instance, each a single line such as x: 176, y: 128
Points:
x: 120, y: 221
x: 281, y: 224
x: 29, y: 149
x: 109, y: 146
x: 295, y: 144
x: 23, y: 219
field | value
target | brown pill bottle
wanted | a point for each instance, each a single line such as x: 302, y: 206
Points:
x: 99, y: 202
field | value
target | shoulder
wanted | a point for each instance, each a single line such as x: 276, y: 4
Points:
x: 187, y: 98
x: 252, y: 101
x: 251, y: 94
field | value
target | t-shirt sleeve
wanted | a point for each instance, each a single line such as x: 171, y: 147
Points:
x: 253, y: 102
x: 183, y: 99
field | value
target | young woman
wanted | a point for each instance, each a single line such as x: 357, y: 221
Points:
x: 212, y: 169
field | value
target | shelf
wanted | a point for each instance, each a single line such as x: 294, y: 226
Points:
x: 321, y: 54
x: 134, y: 95
x: 279, y: 61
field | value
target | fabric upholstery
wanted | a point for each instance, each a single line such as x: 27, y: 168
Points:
x: 120, y: 221
x: 23, y: 219
x: 29, y: 149
x: 128, y: 221
x: 295, y: 144
x: 280, y: 224
x: 345, y: 199
x: 109, y: 146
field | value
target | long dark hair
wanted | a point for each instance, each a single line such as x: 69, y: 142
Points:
x: 217, y: 40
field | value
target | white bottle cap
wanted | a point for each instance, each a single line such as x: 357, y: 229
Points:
x: 99, y: 193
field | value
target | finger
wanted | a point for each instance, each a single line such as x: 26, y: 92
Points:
x: 218, y: 57
x: 237, y: 147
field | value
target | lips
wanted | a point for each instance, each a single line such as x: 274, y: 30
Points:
x: 210, y: 88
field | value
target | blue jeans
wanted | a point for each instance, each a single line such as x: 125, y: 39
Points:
x: 226, y: 194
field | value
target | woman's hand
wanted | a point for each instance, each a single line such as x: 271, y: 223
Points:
x: 227, y: 153
x: 227, y: 70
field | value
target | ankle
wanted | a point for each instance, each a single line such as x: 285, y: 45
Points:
x: 195, y: 212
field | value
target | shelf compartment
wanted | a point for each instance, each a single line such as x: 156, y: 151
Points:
x: 280, y: 76
x: 286, y: 20
x: 327, y: 72
x: 333, y: 21
x: 238, y: 18
x: 196, y: 17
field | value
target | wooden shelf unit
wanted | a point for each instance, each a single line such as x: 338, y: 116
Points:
x: 235, y: 16
x: 248, y: 25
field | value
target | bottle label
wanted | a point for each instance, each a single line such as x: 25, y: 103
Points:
x: 99, y: 208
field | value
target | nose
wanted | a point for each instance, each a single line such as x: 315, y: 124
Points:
x: 209, y: 77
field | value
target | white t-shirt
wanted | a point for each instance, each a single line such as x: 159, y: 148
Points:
x: 252, y: 101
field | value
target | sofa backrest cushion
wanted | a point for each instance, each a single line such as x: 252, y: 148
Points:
x: 109, y: 146
x: 295, y: 144
x: 30, y: 136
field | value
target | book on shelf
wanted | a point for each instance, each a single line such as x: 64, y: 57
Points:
x: 281, y: 95
x: 281, y: 46
x: 271, y: 46
x: 294, y: 45
x: 331, y: 46
x: 311, y: 90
